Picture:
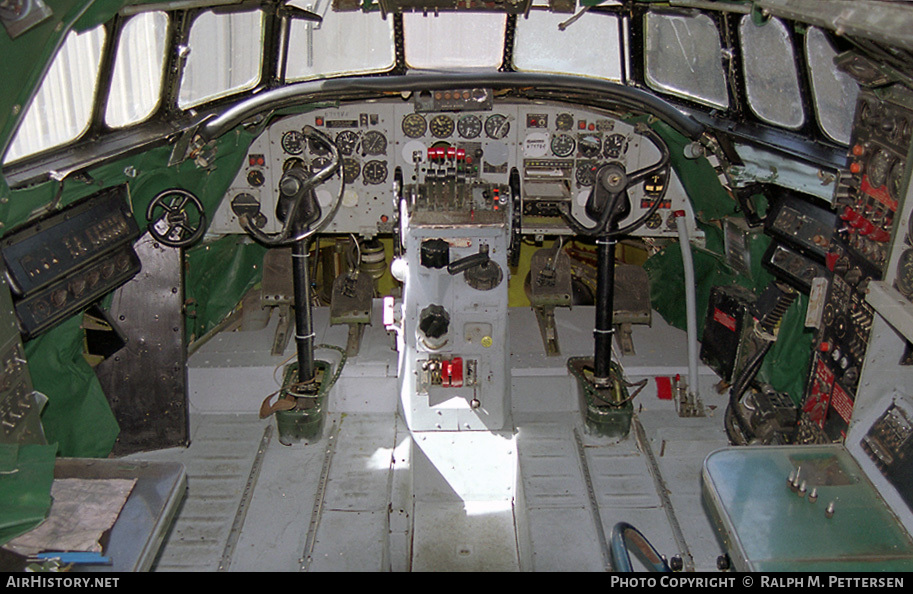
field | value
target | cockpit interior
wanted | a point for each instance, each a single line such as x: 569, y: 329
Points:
x: 456, y: 285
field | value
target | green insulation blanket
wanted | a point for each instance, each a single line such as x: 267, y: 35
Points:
x: 26, y: 475
x: 218, y: 275
x: 77, y: 416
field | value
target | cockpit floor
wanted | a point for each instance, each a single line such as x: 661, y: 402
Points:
x: 543, y: 495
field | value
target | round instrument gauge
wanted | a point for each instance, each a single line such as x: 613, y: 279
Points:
x: 497, y: 126
x: 375, y: 172
x: 879, y: 166
x: 414, y: 125
x: 245, y: 204
x: 318, y: 164
x: 904, y: 281
x: 654, y: 185
x: 315, y: 147
x: 293, y: 142
x: 374, y: 143
x: 615, y: 146
x: 586, y: 174
x: 895, y: 180
x: 469, y: 126
x: 256, y: 178
x: 563, y: 145
x: 589, y: 145
x: 441, y: 126
x: 350, y: 170
x: 292, y: 162
x: 564, y: 122
x: 346, y: 141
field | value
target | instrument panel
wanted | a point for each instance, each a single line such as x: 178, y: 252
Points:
x: 554, y: 148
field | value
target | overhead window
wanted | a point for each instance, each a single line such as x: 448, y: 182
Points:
x: 136, y: 84
x: 343, y: 43
x: 454, y: 40
x: 771, y: 80
x: 588, y: 47
x: 683, y: 57
x: 225, y: 56
x: 62, y: 108
x: 834, y: 91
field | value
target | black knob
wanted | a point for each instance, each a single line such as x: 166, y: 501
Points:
x: 434, y: 321
x: 435, y: 253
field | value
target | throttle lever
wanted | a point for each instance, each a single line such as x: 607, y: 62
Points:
x: 464, y: 264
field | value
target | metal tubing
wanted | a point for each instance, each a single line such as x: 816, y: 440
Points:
x: 605, y: 297
x: 304, y: 326
x: 690, y: 302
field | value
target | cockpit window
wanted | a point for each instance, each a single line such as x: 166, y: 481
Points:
x: 541, y: 46
x: 62, y: 108
x: 835, y: 92
x: 226, y: 52
x: 454, y: 40
x: 344, y: 43
x: 136, y: 83
x: 771, y: 80
x: 684, y: 57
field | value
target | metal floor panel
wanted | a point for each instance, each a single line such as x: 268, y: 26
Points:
x: 368, y: 496
x: 219, y: 463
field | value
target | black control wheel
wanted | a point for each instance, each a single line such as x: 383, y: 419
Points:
x: 608, y: 202
x: 176, y: 218
x: 301, y: 214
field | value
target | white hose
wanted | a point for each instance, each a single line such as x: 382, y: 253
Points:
x: 690, y: 299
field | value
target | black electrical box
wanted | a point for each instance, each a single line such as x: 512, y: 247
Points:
x: 726, y: 343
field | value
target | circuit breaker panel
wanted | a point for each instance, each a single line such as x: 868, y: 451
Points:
x: 454, y: 351
x: 867, y: 202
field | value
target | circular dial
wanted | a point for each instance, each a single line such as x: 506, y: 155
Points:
x: 904, y: 281
x: 615, y: 146
x: 374, y: 143
x: 589, y: 145
x: 350, y: 170
x: 563, y: 145
x: 256, y: 178
x: 654, y: 184
x: 469, y: 126
x: 441, y: 126
x: 586, y: 174
x: 879, y: 166
x: 414, y: 125
x: 497, y: 126
x: 293, y: 142
x: 316, y: 147
x: 319, y: 163
x: 292, y: 162
x: 346, y: 141
x: 564, y: 121
x: 375, y: 172
x: 245, y: 204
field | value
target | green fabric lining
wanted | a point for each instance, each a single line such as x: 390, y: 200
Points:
x: 26, y: 476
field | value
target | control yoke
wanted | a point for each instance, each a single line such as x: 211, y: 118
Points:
x: 608, y: 201
x: 298, y: 208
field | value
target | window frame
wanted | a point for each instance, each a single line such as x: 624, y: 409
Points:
x: 99, y: 91
x: 829, y: 39
x: 791, y: 42
x: 265, y: 43
x: 690, y: 99
x: 619, y: 24
x: 102, y: 112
